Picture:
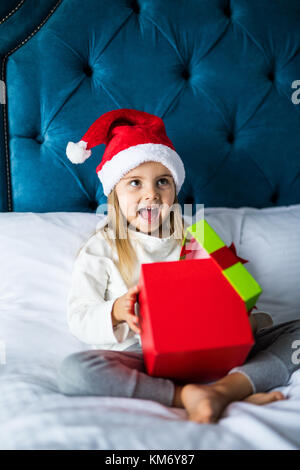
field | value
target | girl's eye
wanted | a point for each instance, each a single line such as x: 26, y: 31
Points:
x: 165, y: 182
x: 133, y: 181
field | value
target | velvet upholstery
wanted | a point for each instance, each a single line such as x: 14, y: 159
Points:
x: 218, y: 72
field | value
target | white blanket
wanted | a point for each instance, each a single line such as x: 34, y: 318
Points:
x: 37, y: 253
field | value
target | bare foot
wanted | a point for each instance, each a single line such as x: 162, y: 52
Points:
x: 203, y: 403
x: 264, y: 398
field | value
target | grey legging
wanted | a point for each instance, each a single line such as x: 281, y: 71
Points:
x: 270, y: 363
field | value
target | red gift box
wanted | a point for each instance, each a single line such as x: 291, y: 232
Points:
x: 189, y: 329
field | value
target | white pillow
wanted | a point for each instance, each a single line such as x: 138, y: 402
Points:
x: 37, y: 252
x: 270, y: 239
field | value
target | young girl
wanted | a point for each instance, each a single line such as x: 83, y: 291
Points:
x: 141, y: 174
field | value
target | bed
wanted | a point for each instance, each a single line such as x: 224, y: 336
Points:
x: 224, y: 77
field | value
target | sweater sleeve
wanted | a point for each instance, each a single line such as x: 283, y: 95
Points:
x: 88, y: 313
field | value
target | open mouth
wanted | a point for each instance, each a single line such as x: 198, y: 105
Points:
x: 149, y: 214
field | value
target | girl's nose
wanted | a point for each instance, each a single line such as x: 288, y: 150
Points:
x: 151, y: 193
x: 151, y: 197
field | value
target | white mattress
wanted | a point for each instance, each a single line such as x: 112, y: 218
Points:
x: 37, y: 252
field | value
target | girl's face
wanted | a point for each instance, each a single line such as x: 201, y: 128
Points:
x: 148, y: 185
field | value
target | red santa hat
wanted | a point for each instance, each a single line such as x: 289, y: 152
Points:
x: 131, y: 137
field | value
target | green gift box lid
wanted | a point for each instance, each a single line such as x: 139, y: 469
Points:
x: 201, y: 236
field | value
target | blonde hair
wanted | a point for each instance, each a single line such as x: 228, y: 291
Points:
x: 127, y: 259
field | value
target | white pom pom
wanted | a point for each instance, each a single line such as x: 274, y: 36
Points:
x: 76, y: 152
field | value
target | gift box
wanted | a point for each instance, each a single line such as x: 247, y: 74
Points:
x: 194, y: 316
x: 202, y: 242
x: 194, y: 325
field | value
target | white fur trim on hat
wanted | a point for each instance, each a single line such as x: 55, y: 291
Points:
x: 76, y: 152
x: 124, y: 161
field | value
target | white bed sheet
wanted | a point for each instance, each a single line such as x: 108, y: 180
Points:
x: 39, y: 249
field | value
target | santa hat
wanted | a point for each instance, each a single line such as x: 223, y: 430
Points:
x: 131, y: 137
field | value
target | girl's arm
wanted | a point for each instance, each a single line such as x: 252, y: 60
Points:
x: 89, y: 315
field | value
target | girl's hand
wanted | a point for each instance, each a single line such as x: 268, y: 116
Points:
x: 123, y: 309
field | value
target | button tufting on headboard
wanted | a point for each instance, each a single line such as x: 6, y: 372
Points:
x: 93, y: 205
x: 185, y: 74
x: 271, y: 76
x: 224, y: 91
x: 135, y: 6
x: 88, y: 70
x: 230, y: 138
x: 227, y: 10
x: 274, y: 198
x: 189, y: 200
x: 39, y: 138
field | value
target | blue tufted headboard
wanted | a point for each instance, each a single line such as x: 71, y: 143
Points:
x: 219, y: 73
